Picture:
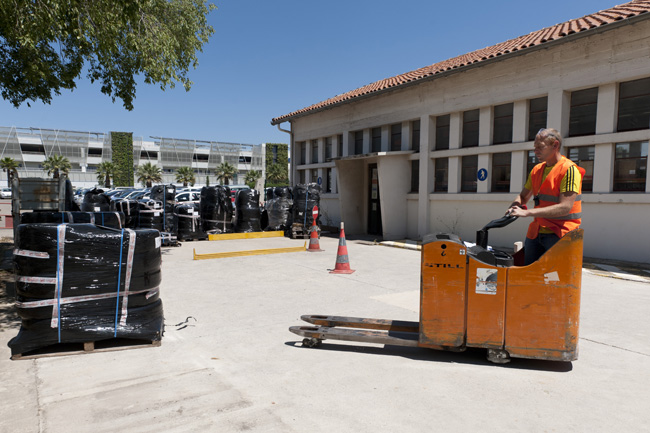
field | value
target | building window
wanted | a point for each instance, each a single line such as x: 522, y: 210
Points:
x: 531, y: 161
x: 328, y: 148
x: 582, y: 117
x: 358, y: 143
x: 469, y: 167
x: 441, y: 175
x: 302, y: 147
x: 314, y: 151
x: 537, y: 112
x: 340, y: 145
x: 634, y: 105
x: 375, y: 140
x: 470, y: 128
x: 502, y: 124
x: 415, y: 135
x: 314, y: 176
x: 584, y: 157
x: 415, y: 175
x: 396, y: 137
x: 95, y: 151
x: 301, y: 177
x: 442, y: 132
x: 501, y: 172
x: 631, y: 166
x: 275, y: 154
x: 328, y: 180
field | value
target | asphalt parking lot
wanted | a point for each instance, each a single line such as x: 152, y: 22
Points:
x: 228, y: 363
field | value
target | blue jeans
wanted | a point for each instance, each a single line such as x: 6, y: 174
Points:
x: 534, y: 248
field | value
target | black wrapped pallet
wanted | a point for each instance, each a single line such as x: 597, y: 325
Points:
x: 150, y: 215
x: 305, y: 197
x: 278, y: 210
x: 216, y: 209
x: 166, y: 194
x: 247, y: 213
x: 130, y: 209
x: 189, y: 222
x: 96, y: 201
x: 114, y: 220
x: 79, y: 283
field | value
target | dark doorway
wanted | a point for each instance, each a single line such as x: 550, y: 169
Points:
x: 374, y: 209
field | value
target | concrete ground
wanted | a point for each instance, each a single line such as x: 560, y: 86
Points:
x: 228, y: 363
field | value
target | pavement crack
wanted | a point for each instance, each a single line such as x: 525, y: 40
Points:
x: 615, y: 347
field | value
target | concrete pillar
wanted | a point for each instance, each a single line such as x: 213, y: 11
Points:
x: 485, y: 126
x: 520, y: 121
x: 335, y: 146
x: 385, y: 138
x: 606, y: 115
x: 603, y: 168
x: 455, y: 132
x: 454, y: 174
x: 559, y: 105
x: 347, y: 136
x: 366, y: 141
x: 427, y: 128
x: 406, y: 135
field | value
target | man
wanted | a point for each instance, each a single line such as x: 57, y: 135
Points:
x: 556, y: 185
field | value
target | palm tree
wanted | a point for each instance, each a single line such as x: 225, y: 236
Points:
x: 54, y: 164
x: 275, y: 173
x: 105, y: 171
x: 251, y: 178
x: 185, y: 175
x: 10, y: 166
x: 226, y: 171
x: 149, y: 173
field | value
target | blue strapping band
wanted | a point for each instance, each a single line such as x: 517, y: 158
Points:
x: 119, y: 280
x: 59, y: 283
x: 304, y: 224
x: 105, y: 224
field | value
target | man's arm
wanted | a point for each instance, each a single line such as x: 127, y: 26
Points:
x: 561, y: 209
x: 523, y: 198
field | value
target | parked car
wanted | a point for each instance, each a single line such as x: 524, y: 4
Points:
x: 5, y: 193
x: 188, y: 197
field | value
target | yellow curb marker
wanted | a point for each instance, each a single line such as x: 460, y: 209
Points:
x: 248, y: 253
x: 251, y: 235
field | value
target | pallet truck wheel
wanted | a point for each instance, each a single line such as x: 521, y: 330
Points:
x: 498, y: 356
x: 311, y: 342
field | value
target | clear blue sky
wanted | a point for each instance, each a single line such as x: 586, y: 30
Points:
x: 269, y: 58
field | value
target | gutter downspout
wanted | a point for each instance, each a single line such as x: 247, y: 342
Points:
x: 288, y: 131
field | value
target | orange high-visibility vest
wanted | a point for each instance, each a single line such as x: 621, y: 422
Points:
x: 548, y: 194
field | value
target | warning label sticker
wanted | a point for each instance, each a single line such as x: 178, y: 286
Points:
x: 486, y: 281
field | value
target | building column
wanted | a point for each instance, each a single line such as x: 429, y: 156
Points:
x: 346, y: 143
x: 406, y: 135
x: 520, y: 121
x: 603, y: 168
x: 385, y: 138
x: 427, y: 128
x: 485, y: 126
x: 455, y: 131
x: 454, y: 174
x: 606, y: 113
x: 559, y: 106
x: 365, y: 149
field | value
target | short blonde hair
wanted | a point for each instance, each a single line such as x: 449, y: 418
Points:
x: 549, y: 133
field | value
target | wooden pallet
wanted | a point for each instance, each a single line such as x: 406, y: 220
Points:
x: 65, y: 349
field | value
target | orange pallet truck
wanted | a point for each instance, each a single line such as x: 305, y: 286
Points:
x: 473, y: 296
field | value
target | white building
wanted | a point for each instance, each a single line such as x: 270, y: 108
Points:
x: 400, y: 158
x: 86, y: 150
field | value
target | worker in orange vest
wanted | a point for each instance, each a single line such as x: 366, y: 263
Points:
x: 555, y: 184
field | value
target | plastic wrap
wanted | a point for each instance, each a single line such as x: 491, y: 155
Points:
x: 305, y: 197
x: 216, y: 209
x: 70, y: 204
x: 130, y: 209
x: 95, y: 201
x: 189, y: 222
x: 166, y: 195
x: 278, y: 210
x: 113, y: 220
x: 247, y: 213
x: 79, y: 282
x: 150, y: 215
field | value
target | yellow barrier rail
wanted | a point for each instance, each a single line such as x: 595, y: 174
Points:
x: 252, y: 235
x: 248, y: 253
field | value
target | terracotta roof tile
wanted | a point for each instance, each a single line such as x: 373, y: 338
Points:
x: 548, y: 34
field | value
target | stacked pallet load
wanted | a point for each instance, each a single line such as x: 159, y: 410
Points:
x: 216, y: 209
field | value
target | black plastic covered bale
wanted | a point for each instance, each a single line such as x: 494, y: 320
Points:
x: 247, y: 211
x: 78, y: 283
x: 166, y: 195
x: 189, y: 222
x: 305, y: 197
x: 113, y: 220
x: 216, y: 209
x: 278, y: 211
x: 130, y: 209
x: 151, y: 215
x: 96, y: 201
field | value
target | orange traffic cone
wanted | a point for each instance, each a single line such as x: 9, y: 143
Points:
x: 342, y: 262
x: 314, y: 245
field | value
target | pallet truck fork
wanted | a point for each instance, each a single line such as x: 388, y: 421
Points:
x: 472, y: 296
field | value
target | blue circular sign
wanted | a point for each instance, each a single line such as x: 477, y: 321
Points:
x: 482, y: 174
x: 320, y: 180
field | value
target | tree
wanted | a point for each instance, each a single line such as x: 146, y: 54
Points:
x: 186, y: 175
x: 10, y: 166
x: 275, y: 173
x: 54, y: 164
x: 149, y: 173
x: 226, y: 171
x: 46, y: 44
x: 105, y: 171
x: 252, y: 177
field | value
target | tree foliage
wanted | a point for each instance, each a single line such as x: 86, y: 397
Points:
x: 105, y: 171
x: 9, y: 165
x: 252, y: 177
x: 226, y: 171
x: 276, y: 174
x: 148, y: 174
x: 186, y: 176
x: 46, y: 44
x: 54, y: 164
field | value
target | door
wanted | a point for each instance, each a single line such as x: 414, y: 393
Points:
x: 374, y: 209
